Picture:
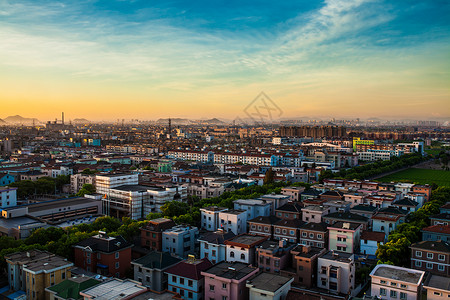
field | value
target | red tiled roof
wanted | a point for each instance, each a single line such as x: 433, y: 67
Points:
x: 438, y: 229
x: 373, y: 236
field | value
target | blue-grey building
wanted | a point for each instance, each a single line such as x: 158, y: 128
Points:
x: 6, y: 179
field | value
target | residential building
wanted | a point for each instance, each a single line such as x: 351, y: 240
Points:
x: 210, y: 217
x: 436, y: 233
x: 294, y: 192
x: 392, y: 282
x: 268, y: 286
x: 56, y: 171
x: 8, y: 196
x: 150, y: 269
x: 386, y: 222
x: 186, y: 279
x: 242, y: 248
x: 276, y: 200
x: 407, y: 204
x: 370, y: 241
x: 438, y: 287
x: 151, y: 233
x: 304, y: 265
x: 364, y: 210
x: 289, y: 211
x: 44, y: 273
x: 6, y: 179
x: 431, y: 256
x: 15, y: 263
x: 344, y: 237
x: 347, y: 217
x: 440, y: 219
x: 71, y: 288
x: 180, y: 240
x: 105, y: 255
x: 288, y: 230
x: 78, y: 180
x: 254, y: 207
x: 234, y: 220
x: 314, y: 234
x: 273, y: 256
x: 227, y: 281
x: 423, y: 189
x: 336, y: 272
x: 212, y: 245
x: 314, y: 213
x: 262, y: 225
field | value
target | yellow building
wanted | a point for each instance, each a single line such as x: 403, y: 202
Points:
x: 359, y: 141
x: 45, y: 273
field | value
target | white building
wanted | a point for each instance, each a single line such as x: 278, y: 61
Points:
x: 254, y: 207
x: 266, y: 286
x: 242, y: 248
x: 336, y: 272
x: 8, y: 196
x: 57, y: 171
x: 392, y: 282
x: 104, y: 182
x: 210, y: 217
x: 234, y: 220
x: 212, y: 245
x: 179, y: 240
x: 78, y: 180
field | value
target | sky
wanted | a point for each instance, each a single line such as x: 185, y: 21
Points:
x: 110, y: 59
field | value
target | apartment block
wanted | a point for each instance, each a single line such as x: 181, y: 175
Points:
x: 180, y: 240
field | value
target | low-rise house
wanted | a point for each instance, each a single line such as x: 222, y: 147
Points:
x: 268, y: 286
x: 314, y: 213
x: 105, y: 255
x: 288, y: 230
x: 210, y: 217
x: 70, y: 288
x: 15, y: 263
x: 370, y: 241
x: 294, y: 192
x: 423, y: 189
x: 347, y: 217
x: 149, y: 270
x: 336, y: 272
x: 364, y: 210
x: 436, y: 233
x: 8, y: 196
x: 242, y: 248
x: 233, y: 220
x: 262, y: 225
x: 387, y: 219
x: 227, y: 281
x: 151, y: 233
x: 304, y: 265
x: 289, y: 211
x: 392, y: 282
x: 180, y: 240
x: 276, y: 200
x: 273, y: 256
x: 438, y: 287
x: 309, y: 194
x: 407, y: 204
x: 344, y: 237
x: 43, y: 273
x: 314, y: 234
x: 440, y: 219
x: 186, y: 279
x: 212, y: 245
x: 431, y: 256
x: 254, y: 207
x: 6, y: 179
x: 355, y: 198
x: 332, y: 195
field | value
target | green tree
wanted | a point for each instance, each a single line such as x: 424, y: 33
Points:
x: 87, y: 188
x: 269, y: 176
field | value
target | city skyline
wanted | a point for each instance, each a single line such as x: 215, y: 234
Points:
x: 104, y: 60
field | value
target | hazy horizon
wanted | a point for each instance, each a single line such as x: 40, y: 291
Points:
x: 109, y: 60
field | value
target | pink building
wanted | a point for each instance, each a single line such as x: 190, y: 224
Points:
x: 227, y: 281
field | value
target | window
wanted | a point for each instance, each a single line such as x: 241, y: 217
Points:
x: 430, y: 255
x: 441, y: 267
x: 403, y: 286
x: 429, y: 266
x: 189, y: 294
x: 99, y: 255
x: 284, y: 231
x: 382, y: 292
x: 211, y: 287
x: 213, y: 253
x: 291, y: 232
x: 304, y: 234
x: 383, y: 281
x: 277, y: 230
x: 231, y: 254
x: 88, y: 261
x: 63, y: 275
x: 393, y: 294
x: 224, y: 297
x: 117, y: 265
x: 441, y: 257
x: 243, y: 256
x: 88, y: 254
x: 253, y: 227
x: 190, y: 283
x: 319, y: 236
x: 181, y: 280
x: 224, y: 285
x: 174, y: 279
x: 418, y: 263
x: 437, y: 293
x: 206, y: 246
x: 393, y: 284
x: 117, y: 255
x: 403, y: 296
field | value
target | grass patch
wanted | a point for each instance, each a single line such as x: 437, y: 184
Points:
x: 419, y: 176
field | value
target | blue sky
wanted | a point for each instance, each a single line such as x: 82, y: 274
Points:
x: 206, y: 58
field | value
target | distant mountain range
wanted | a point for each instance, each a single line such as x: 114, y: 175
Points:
x: 20, y: 120
x: 182, y: 121
x: 80, y: 121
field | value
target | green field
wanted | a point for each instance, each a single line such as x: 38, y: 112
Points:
x: 419, y: 176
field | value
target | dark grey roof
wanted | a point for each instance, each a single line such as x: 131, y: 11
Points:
x: 227, y: 270
x: 444, y: 216
x: 393, y: 210
x: 295, y: 223
x: 311, y: 192
x: 106, y: 245
x: 157, y: 260
x: 347, y: 216
x: 315, y: 226
x: 290, y: 207
x: 364, y: 207
x: 406, y: 202
x: 437, y: 246
x: 265, y: 220
x: 217, y: 237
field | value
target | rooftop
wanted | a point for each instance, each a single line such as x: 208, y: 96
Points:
x: 115, y: 289
x: 246, y: 240
x: 398, y: 273
x: 157, y: 260
x: 227, y: 270
x: 435, y: 246
x: 338, y: 256
x: 190, y: 268
x: 70, y: 288
x: 268, y: 282
x: 48, y: 264
x: 438, y: 282
x: 214, y: 208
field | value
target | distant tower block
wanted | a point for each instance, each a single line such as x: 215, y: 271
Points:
x: 62, y: 118
x: 170, y: 128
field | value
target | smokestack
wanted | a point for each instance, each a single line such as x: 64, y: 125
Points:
x: 62, y: 118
